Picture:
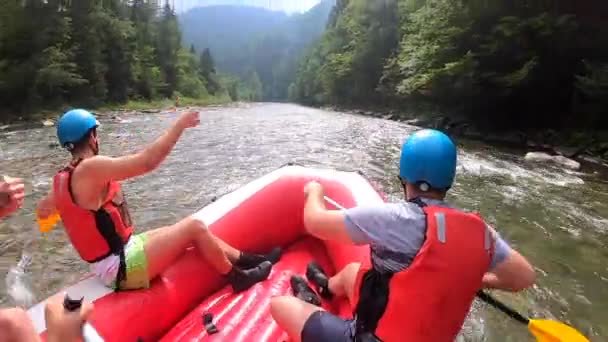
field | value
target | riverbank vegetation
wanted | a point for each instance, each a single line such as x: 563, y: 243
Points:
x: 505, y: 64
x: 58, y: 53
x: 497, y: 65
x: 537, y: 69
x: 524, y: 72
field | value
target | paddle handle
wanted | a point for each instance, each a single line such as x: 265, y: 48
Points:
x: 502, y: 307
x: 89, y: 334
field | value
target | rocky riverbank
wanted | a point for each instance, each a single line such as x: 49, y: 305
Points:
x: 590, y: 149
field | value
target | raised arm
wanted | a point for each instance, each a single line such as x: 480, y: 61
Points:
x: 104, y: 169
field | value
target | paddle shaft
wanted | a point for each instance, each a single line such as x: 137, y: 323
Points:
x: 502, y: 307
x: 334, y: 203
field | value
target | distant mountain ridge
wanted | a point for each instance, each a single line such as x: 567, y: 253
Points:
x: 227, y: 29
x: 252, y: 41
x: 289, y: 6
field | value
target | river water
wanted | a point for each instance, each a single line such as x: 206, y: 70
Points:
x: 556, y: 218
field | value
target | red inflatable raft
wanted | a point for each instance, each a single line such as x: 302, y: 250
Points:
x: 262, y: 214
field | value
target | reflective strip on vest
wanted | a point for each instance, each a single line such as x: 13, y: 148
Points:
x: 440, y: 218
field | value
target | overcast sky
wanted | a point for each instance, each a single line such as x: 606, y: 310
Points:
x: 289, y: 6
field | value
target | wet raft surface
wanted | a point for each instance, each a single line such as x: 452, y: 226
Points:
x: 246, y: 316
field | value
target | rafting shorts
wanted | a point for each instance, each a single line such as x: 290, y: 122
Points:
x: 136, y: 266
x: 323, y: 326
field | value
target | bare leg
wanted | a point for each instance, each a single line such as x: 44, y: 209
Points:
x: 165, y: 245
x: 343, y: 283
x: 16, y: 326
x: 291, y: 314
x: 232, y: 253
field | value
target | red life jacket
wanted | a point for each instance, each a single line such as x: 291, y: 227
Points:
x: 95, y: 234
x: 430, y: 299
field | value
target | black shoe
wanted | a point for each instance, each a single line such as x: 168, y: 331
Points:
x: 243, y: 279
x: 301, y: 290
x: 315, y: 274
x: 247, y: 260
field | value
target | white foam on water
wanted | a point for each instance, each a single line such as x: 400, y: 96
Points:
x: 473, y: 164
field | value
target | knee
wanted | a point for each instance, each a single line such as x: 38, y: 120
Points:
x: 353, y: 267
x: 281, y: 307
x: 195, y: 226
x: 277, y: 305
x: 349, y: 272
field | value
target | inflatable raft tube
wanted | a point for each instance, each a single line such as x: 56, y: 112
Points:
x: 257, y: 217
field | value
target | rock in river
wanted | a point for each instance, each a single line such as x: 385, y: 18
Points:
x: 559, y: 160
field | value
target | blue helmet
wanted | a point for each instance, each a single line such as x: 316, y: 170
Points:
x: 74, y: 125
x: 428, y: 156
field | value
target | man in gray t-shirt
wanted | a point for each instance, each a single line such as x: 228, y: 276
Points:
x: 402, y: 233
x: 395, y: 233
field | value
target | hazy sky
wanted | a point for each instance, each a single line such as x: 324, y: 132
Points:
x: 289, y: 6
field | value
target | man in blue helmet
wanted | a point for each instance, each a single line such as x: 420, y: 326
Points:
x: 93, y: 208
x: 430, y: 257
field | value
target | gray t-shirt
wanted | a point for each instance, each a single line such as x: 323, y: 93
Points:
x: 396, y: 232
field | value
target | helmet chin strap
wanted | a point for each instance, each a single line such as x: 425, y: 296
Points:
x: 95, y: 148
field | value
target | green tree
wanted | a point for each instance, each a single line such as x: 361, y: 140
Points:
x: 208, y: 73
x: 254, y: 85
x: 55, y: 53
x: 169, y: 44
x: 86, y: 19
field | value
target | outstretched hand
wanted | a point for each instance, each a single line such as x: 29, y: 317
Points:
x: 313, y: 188
x: 12, y: 193
x: 189, y: 119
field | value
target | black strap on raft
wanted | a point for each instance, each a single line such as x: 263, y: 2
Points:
x: 373, y: 299
x: 208, y: 323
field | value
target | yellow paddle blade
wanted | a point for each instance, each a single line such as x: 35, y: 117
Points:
x: 552, y: 331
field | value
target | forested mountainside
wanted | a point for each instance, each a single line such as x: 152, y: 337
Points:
x: 262, y: 47
x: 87, y: 53
x: 503, y: 64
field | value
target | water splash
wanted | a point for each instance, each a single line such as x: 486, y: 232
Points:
x: 19, y: 283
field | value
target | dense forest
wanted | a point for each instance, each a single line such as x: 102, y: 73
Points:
x: 504, y: 64
x: 87, y: 53
x: 260, y: 46
x: 530, y: 64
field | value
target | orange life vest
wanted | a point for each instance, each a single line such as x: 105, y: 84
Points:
x: 430, y: 299
x: 95, y: 234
